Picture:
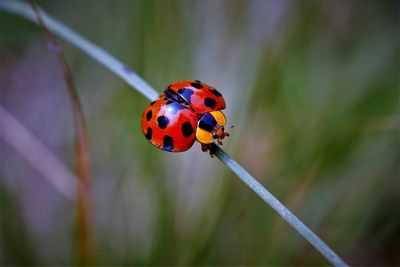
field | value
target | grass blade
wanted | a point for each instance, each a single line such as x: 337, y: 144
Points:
x: 91, y: 49
x: 268, y: 198
x: 83, y: 223
x: 37, y: 154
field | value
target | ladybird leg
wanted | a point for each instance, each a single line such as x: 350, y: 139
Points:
x: 204, y: 147
x: 207, y: 147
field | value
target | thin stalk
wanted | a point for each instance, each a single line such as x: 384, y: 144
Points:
x: 268, y: 198
x: 37, y: 154
x: 141, y: 86
x: 84, y: 235
x: 91, y: 49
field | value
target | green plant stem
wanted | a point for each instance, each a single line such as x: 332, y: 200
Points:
x: 140, y: 85
x: 37, y: 154
x: 91, y: 49
x: 83, y: 211
x: 268, y: 198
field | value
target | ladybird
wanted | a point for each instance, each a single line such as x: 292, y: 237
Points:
x: 186, y: 111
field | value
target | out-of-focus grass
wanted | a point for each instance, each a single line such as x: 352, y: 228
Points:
x: 312, y: 89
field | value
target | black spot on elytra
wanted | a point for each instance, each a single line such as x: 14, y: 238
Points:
x: 152, y: 103
x: 187, y: 129
x: 149, y: 115
x: 215, y: 92
x: 209, y: 102
x: 186, y: 93
x: 196, y: 85
x: 168, y: 143
x: 162, y: 122
x: 149, y: 133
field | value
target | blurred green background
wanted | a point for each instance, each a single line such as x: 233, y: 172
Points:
x: 311, y: 88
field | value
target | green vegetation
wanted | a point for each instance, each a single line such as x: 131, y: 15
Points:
x: 311, y: 87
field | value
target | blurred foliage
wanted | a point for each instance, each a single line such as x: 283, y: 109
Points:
x: 311, y: 87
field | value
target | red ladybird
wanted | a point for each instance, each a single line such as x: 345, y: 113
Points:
x: 184, y: 112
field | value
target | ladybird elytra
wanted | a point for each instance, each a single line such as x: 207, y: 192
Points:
x: 171, y: 125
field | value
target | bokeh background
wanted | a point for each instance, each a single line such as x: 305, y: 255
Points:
x: 311, y: 88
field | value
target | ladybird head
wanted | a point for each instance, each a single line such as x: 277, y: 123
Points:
x: 211, y: 128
